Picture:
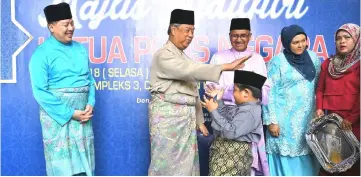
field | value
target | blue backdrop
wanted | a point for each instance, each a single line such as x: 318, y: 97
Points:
x: 121, y: 36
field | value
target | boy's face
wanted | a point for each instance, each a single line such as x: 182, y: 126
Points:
x: 241, y: 96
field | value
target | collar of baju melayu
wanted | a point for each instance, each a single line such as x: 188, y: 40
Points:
x: 247, y: 51
x: 58, y: 43
x: 251, y: 103
x: 174, y: 48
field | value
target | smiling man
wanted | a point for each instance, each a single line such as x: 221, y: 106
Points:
x: 175, y: 109
x: 240, y: 35
x: 65, y: 91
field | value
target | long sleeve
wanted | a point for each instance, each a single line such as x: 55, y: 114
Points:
x: 91, y: 97
x: 222, y: 110
x: 265, y: 92
x: 321, y: 85
x: 272, y: 109
x: 221, y: 106
x: 214, y: 61
x: 52, y: 105
x: 318, y: 66
x: 242, y: 124
x: 199, y: 112
x: 354, y: 114
x: 267, y: 85
x: 173, y: 67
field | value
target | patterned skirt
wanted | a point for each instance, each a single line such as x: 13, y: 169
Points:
x: 68, y: 149
x: 230, y: 158
x: 172, y: 126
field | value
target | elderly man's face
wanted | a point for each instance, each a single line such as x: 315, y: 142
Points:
x: 240, y: 39
x: 63, y: 30
x: 183, y: 35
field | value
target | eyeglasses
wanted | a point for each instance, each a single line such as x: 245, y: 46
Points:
x: 242, y: 36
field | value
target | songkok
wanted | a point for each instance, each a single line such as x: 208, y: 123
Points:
x: 181, y: 16
x: 249, y: 78
x: 57, y: 12
x: 240, y: 24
